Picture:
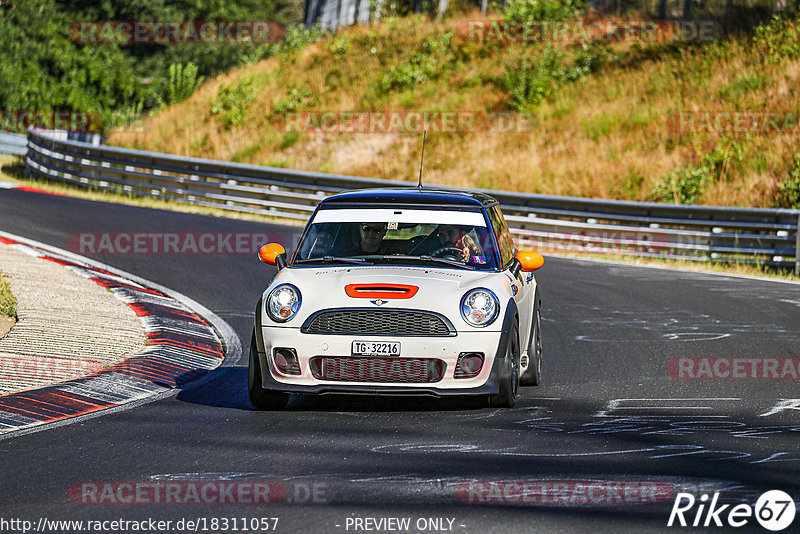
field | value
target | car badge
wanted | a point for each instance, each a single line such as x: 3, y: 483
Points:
x: 514, y: 288
x: 379, y: 302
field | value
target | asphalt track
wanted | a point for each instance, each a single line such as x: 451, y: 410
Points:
x: 608, y: 411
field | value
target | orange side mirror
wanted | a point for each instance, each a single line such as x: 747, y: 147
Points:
x: 269, y: 253
x: 529, y: 260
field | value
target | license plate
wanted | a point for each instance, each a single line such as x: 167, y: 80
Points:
x: 375, y: 348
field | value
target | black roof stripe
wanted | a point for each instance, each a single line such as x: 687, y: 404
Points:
x: 410, y: 196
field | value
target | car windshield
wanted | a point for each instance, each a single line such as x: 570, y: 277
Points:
x: 455, y: 239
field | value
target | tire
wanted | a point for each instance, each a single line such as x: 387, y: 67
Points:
x: 509, y: 380
x: 260, y: 398
x: 532, y: 376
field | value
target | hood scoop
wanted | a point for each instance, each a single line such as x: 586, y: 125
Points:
x: 380, y: 291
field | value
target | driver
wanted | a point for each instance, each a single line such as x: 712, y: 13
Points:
x: 453, y: 236
x: 371, y: 238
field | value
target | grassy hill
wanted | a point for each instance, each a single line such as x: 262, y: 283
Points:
x: 600, y: 116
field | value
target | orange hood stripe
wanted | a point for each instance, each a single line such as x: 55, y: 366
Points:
x: 380, y: 291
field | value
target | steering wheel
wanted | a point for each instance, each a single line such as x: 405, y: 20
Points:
x: 450, y: 253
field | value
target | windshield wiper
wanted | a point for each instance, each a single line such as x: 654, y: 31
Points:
x: 331, y: 259
x: 428, y: 258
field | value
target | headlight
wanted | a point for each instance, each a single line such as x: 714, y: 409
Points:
x: 480, y: 307
x: 283, y: 303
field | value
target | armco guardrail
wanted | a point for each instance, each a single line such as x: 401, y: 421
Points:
x: 545, y: 222
x: 13, y: 143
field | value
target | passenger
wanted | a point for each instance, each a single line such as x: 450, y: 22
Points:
x: 452, y: 236
x: 321, y: 245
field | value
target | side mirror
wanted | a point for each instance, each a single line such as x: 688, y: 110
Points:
x: 273, y: 254
x: 529, y: 260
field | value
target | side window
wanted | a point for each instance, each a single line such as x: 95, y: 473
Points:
x: 503, y: 234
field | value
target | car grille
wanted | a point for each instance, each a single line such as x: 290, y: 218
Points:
x: 364, y: 369
x: 362, y: 321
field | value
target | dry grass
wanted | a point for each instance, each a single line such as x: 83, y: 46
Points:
x: 605, y: 135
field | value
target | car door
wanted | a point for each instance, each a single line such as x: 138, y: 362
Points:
x: 523, y: 281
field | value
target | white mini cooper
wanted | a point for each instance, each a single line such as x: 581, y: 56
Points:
x: 399, y: 291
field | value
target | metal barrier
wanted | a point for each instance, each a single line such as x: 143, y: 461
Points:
x: 545, y: 222
x: 13, y: 143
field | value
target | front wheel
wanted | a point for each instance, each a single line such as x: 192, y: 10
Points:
x: 532, y: 371
x: 509, y: 380
x: 263, y: 399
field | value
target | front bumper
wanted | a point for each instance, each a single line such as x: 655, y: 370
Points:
x: 445, y: 349
x: 489, y: 387
x: 493, y: 344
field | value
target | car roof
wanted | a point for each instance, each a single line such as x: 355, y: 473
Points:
x: 408, y: 196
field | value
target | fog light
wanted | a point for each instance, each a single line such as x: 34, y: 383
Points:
x: 468, y: 365
x: 286, y: 361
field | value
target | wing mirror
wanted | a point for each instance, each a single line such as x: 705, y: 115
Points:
x: 526, y: 260
x: 273, y: 254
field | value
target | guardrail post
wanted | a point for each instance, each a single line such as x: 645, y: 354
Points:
x: 27, y: 151
x: 797, y: 247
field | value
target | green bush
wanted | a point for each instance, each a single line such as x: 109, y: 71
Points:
x: 433, y: 59
x: 741, y: 86
x: 8, y: 303
x: 587, y: 58
x: 183, y: 81
x: 289, y: 139
x: 789, y: 190
x: 781, y: 38
x: 531, y: 80
x: 527, y: 10
x: 232, y: 102
x: 127, y: 115
x: 339, y: 46
x: 683, y: 186
x: 687, y: 185
x: 297, y: 98
x: 296, y: 38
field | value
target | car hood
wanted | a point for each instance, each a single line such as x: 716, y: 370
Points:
x: 440, y: 290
